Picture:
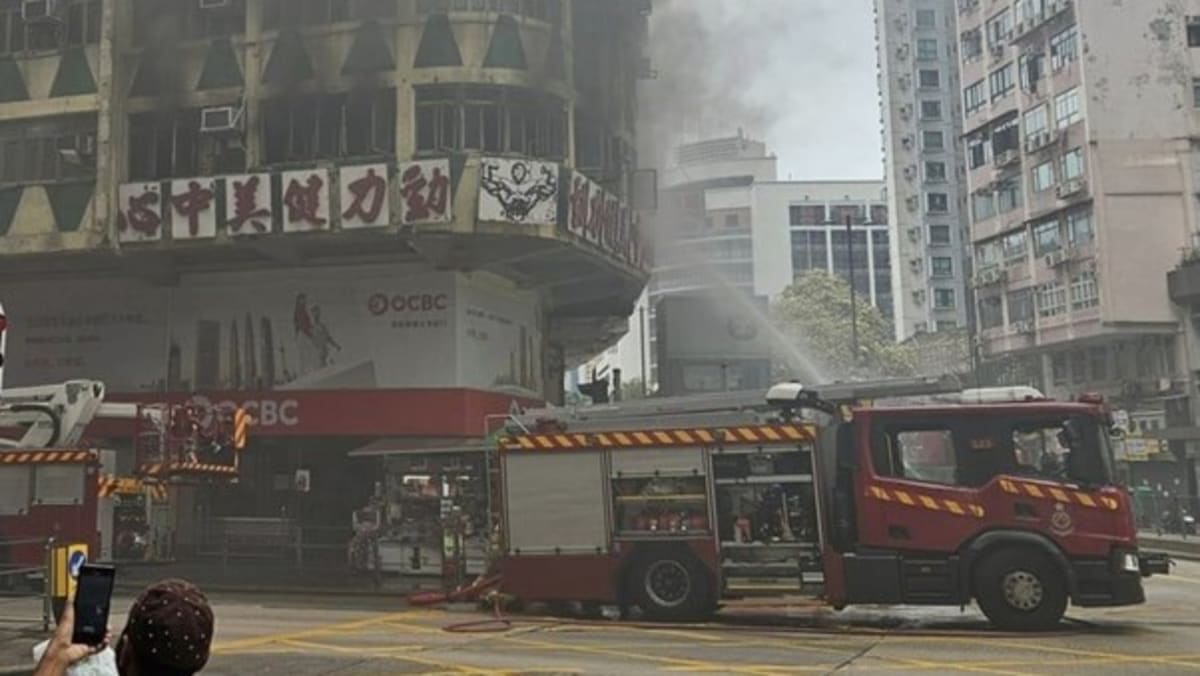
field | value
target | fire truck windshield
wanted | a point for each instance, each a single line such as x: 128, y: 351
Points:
x: 1072, y: 449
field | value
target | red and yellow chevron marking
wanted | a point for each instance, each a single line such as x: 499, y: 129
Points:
x: 926, y: 502
x: 158, y: 469
x: 738, y: 436
x: 46, y: 457
x: 110, y: 485
x: 1058, y: 494
x: 241, y: 429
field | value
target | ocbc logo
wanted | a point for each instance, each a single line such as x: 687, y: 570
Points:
x: 265, y: 413
x: 380, y: 303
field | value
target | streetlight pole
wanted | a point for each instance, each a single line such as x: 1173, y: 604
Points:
x: 645, y: 341
x: 853, y: 295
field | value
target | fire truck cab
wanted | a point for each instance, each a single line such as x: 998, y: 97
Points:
x: 996, y: 496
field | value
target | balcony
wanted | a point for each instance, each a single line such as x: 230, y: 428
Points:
x: 1071, y: 189
x: 1183, y: 283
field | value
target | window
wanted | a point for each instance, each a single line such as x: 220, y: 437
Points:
x: 338, y: 125
x: 977, y: 151
x: 1098, y: 358
x: 1079, y: 227
x: 1064, y: 48
x: 927, y: 49
x: 14, y: 490
x: 926, y: 18
x: 1066, y: 109
x: 931, y: 110
x: 974, y: 97
x: 1059, y: 368
x: 505, y: 120
x: 929, y: 78
x: 58, y: 484
x: 971, y: 44
x: 1029, y: 10
x: 933, y: 140
x: 1008, y: 196
x: 1001, y: 81
x: 988, y: 254
x: 279, y: 13
x: 879, y: 214
x: 1072, y: 164
x: 1051, y: 300
x: 917, y: 454
x: 1046, y: 237
x: 29, y: 149
x: 983, y: 206
x: 1030, y: 68
x: 1036, y: 122
x: 1006, y: 136
x: 1079, y: 367
x: 1195, y: 93
x: 942, y: 266
x: 946, y: 325
x: 1085, y: 292
x: 810, y: 250
x: 857, y: 213
x: 938, y: 203
x: 1020, y: 305
x: 991, y: 312
x: 731, y: 221
x: 78, y: 25
x: 1193, y: 34
x: 807, y: 214
x: 943, y: 299
x: 939, y: 234
x: 544, y: 10
x: 153, y: 19
x: 935, y: 172
x: 1043, y: 176
x: 1016, y: 244
x: 999, y: 29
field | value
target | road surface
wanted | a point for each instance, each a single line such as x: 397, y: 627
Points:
x: 302, y: 637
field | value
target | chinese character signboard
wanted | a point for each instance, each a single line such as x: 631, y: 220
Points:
x: 425, y: 192
x: 364, y: 191
x: 140, y: 218
x: 193, y: 209
x: 518, y: 191
x: 305, y: 200
x: 603, y: 220
x: 248, y: 206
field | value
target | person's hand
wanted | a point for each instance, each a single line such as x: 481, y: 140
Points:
x: 60, y: 652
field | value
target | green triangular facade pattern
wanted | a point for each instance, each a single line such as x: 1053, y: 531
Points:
x: 221, y: 67
x: 370, y: 52
x: 458, y: 162
x: 147, y: 81
x: 438, y: 46
x: 69, y: 201
x: 289, y: 60
x: 10, y: 199
x: 74, y: 75
x: 506, y: 50
x: 12, y: 83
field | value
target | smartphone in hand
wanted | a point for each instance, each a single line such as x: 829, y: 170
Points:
x: 93, y: 598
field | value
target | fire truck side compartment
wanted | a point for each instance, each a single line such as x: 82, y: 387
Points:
x: 664, y: 461
x: 554, y: 503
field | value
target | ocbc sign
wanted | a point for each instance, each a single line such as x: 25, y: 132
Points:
x: 382, y: 303
x: 264, y: 413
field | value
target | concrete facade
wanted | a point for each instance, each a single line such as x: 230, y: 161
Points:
x: 921, y: 113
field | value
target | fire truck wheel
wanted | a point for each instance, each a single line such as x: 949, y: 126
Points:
x: 1021, y: 590
x: 670, y: 585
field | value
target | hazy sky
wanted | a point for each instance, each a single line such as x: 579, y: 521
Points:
x: 799, y: 74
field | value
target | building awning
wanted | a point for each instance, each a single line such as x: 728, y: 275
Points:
x: 409, y: 446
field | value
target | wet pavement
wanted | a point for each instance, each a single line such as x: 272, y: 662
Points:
x: 299, y: 636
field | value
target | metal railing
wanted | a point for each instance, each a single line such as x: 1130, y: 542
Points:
x: 22, y: 581
x: 274, y: 540
x: 1166, y: 515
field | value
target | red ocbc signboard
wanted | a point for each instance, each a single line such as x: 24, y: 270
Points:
x: 344, y: 413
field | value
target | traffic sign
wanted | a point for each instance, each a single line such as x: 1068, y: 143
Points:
x: 66, y: 562
x: 75, y: 562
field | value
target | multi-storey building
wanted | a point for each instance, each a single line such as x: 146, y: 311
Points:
x: 922, y: 126
x: 1077, y: 119
x: 363, y: 219
x: 725, y: 223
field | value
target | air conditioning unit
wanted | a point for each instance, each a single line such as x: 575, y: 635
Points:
x: 1005, y: 158
x: 1023, y: 327
x: 78, y: 149
x: 990, y: 277
x: 1056, y: 258
x: 215, y: 4
x: 220, y: 119
x: 902, y: 51
x: 40, y: 11
x: 918, y: 297
x: 915, y: 264
x: 1037, y: 141
x: 998, y: 50
x: 910, y: 172
x: 905, y: 81
x: 906, y: 112
x: 914, y: 235
x: 1068, y: 188
x: 908, y: 141
x: 913, y: 203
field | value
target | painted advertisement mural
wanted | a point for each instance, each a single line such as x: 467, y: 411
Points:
x: 518, y: 191
x: 356, y: 328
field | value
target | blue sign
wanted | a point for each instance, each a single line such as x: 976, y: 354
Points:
x: 77, y: 561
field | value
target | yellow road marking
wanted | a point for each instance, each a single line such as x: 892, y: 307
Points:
x: 1113, y: 657
x: 267, y: 639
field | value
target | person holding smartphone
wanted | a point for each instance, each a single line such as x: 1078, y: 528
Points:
x: 168, y: 633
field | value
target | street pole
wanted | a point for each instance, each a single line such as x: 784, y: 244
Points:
x: 645, y: 341
x: 853, y: 295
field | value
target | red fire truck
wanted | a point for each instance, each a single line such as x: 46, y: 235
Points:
x: 997, y: 496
